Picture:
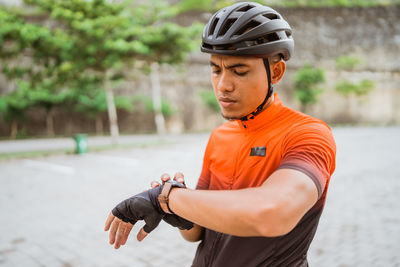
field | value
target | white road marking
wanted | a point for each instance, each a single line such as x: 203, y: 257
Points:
x: 49, y: 166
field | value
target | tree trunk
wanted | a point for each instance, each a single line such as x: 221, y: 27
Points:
x: 99, y: 125
x: 112, y: 112
x: 156, y: 94
x: 50, y: 123
x: 14, y: 129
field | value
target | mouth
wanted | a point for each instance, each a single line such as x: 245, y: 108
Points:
x: 226, y: 102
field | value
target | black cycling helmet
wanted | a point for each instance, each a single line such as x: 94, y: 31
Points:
x: 251, y: 29
x: 247, y: 28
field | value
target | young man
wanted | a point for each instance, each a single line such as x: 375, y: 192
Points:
x: 265, y: 172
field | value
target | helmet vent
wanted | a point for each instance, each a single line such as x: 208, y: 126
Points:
x: 266, y: 39
x: 245, y: 8
x: 288, y: 34
x: 226, y: 26
x: 212, y: 29
x: 252, y: 24
x: 271, y: 16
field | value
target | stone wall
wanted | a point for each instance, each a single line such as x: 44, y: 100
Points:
x: 321, y: 35
x: 371, y: 35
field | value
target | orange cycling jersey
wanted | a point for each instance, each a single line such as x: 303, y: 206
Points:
x: 242, y: 154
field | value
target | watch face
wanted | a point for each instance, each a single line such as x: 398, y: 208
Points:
x: 177, y: 184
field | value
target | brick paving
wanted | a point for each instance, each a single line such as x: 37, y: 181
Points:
x: 53, y: 208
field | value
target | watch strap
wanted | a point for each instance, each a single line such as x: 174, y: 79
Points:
x: 163, y: 198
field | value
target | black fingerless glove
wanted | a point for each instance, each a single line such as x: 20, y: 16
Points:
x: 176, y: 221
x: 145, y: 206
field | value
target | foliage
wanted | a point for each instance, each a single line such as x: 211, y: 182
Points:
x: 305, y: 85
x: 66, y: 48
x: 44, y: 96
x: 347, y: 62
x: 14, y: 105
x: 209, y: 100
x: 92, y: 103
x: 166, y: 108
x: 330, y: 3
x: 347, y: 88
x: 92, y: 35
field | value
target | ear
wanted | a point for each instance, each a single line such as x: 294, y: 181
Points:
x: 277, y: 71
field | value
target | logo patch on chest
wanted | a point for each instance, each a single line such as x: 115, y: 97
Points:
x: 258, y: 151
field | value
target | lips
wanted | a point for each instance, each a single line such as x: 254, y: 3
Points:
x: 226, y: 101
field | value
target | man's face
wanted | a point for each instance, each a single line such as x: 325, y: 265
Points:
x: 240, y: 84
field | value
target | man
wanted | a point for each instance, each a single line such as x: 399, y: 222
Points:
x: 265, y: 172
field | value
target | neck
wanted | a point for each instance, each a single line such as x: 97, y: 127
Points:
x: 269, y: 102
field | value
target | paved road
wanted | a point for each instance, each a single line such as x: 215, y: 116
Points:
x: 53, y: 208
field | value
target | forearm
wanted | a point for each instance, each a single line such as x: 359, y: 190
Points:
x: 193, y: 234
x: 272, y: 209
x: 232, y: 212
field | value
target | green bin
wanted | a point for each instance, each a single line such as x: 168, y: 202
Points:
x: 81, y: 143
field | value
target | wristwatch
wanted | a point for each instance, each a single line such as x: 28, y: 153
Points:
x: 163, y: 197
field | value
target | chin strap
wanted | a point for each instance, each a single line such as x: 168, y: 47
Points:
x: 270, y: 91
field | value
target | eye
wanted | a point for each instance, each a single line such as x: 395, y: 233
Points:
x: 241, y: 73
x: 216, y: 71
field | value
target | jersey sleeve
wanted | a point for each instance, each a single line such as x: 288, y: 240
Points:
x: 204, y: 181
x: 310, y: 148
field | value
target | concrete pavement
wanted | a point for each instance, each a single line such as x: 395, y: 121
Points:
x: 68, y: 143
x: 54, y: 208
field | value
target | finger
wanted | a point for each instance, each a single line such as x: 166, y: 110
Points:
x: 113, y: 231
x: 128, y: 229
x: 179, y: 177
x: 119, y: 235
x: 165, y: 177
x: 141, y: 235
x: 154, y: 184
x: 109, y: 221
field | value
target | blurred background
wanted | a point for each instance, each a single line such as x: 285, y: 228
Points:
x: 98, y: 98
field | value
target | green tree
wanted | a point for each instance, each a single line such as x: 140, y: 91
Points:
x: 13, y: 108
x: 45, y: 97
x: 90, y: 41
x: 352, y: 93
x: 346, y: 62
x: 306, y: 80
x: 166, y: 108
x: 347, y: 88
x: 93, y: 104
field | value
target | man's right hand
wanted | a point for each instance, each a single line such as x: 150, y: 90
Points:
x: 174, y: 219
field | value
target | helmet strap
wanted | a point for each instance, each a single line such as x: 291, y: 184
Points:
x: 270, y: 86
x: 270, y: 91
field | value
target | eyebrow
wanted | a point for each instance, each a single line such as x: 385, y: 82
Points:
x: 237, y: 65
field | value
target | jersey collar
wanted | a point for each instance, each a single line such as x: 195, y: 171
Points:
x: 264, y: 118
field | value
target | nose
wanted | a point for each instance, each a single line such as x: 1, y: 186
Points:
x: 225, y: 83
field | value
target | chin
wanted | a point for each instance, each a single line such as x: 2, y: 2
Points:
x: 230, y: 117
